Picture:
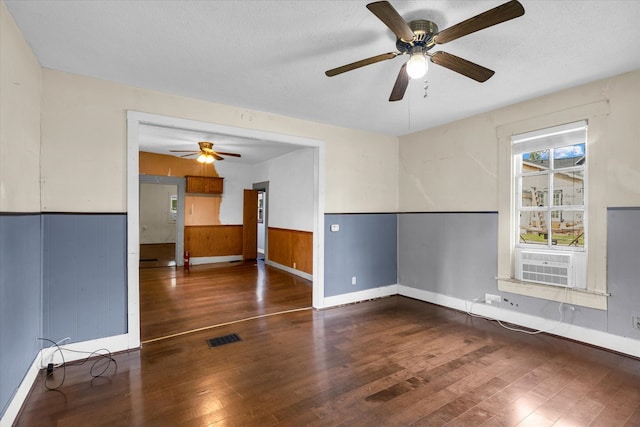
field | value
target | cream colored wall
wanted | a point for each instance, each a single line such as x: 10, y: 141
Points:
x: 83, y: 128
x: 454, y: 167
x: 20, y: 93
x: 466, y: 166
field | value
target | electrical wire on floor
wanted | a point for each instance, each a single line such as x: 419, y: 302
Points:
x: 524, y: 331
x: 100, y: 355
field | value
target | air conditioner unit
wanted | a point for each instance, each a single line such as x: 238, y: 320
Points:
x: 549, y: 268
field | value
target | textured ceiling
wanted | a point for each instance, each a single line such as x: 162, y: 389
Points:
x: 271, y: 55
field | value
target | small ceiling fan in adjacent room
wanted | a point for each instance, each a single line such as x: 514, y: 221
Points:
x: 206, y: 154
x: 417, y: 37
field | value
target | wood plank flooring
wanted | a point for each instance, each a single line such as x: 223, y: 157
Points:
x: 157, y: 255
x: 388, y: 362
x: 174, y: 300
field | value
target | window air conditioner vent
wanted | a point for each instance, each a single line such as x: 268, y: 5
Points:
x: 548, y: 268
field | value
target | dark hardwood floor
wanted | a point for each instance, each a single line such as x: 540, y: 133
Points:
x: 175, y: 300
x: 157, y: 255
x: 388, y: 362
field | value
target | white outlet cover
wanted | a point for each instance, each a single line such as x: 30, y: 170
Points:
x: 335, y: 227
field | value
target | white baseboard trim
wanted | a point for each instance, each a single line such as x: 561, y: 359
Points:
x: 290, y: 270
x: 367, y: 294
x: 602, y: 339
x: 113, y: 344
x: 214, y: 259
x: 21, y: 394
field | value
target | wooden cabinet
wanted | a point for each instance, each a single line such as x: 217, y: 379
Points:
x: 204, y: 184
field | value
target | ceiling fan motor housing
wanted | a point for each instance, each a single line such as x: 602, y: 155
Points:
x: 424, y: 32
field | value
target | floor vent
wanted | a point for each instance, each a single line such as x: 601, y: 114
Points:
x: 226, y: 339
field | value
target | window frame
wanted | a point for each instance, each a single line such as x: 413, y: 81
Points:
x: 541, y: 141
x: 595, y: 294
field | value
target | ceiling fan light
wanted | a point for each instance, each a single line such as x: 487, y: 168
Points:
x: 209, y: 158
x: 202, y: 158
x: 417, y: 65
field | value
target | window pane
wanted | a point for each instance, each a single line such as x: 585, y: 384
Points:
x: 532, y: 228
x: 567, y: 228
x: 569, y: 156
x: 535, y: 161
x: 568, y: 189
x: 533, y: 190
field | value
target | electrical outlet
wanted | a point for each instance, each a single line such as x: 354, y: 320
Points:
x: 353, y: 280
x: 490, y: 298
x: 636, y: 322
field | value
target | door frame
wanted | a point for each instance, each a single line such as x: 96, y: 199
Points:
x: 250, y: 219
x: 181, y: 184
x: 134, y: 120
x: 264, y: 187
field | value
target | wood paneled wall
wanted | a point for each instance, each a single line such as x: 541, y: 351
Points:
x: 213, y: 240
x: 289, y: 247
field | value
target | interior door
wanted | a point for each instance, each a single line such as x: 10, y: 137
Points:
x: 250, y: 225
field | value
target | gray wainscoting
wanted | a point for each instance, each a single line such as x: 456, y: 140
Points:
x: 20, y: 292
x: 623, y: 270
x: 455, y: 254
x: 365, y: 248
x: 84, y: 276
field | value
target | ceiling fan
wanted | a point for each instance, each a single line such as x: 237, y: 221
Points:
x: 206, y: 154
x: 416, y: 38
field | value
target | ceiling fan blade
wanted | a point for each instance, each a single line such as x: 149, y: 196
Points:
x: 502, y: 13
x: 215, y: 156
x: 462, y: 66
x: 222, y: 153
x: 361, y: 63
x: 400, y: 87
x: 187, y: 155
x: 392, y: 19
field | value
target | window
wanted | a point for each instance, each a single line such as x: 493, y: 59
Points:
x: 588, y: 259
x: 547, y: 162
x: 261, y: 206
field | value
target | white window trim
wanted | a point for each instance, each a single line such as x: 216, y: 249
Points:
x: 595, y: 294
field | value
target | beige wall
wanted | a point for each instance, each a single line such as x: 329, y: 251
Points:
x: 20, y: 93
x: 83, y: 127
x: 465, y: 166
x: 454, y: 167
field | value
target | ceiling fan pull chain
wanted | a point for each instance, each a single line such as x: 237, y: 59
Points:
x: 426, y: 87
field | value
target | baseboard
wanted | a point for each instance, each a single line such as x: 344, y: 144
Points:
x: 367, y: 294
x: 21, y: 394
x: 597, y: 338
x: 290, y: 270
x: 113, y: 344
x: 214, y: 259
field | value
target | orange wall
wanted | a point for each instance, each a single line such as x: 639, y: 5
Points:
x: 163, y: 165
x: 199, y: 209
x: 202, y: 210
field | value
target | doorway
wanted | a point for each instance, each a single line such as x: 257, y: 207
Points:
x: 161, y: 221
x: 135, y: 121
x: 158, y: 217
x: 263, y: 218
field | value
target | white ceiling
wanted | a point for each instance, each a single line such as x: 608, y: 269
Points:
x: 163, y: 139
x: 270, y: 55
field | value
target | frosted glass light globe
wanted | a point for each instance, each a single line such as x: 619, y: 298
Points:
x: 417, y: 65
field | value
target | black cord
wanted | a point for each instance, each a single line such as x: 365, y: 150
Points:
x: 49, y: 373
x: 101, y: 357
